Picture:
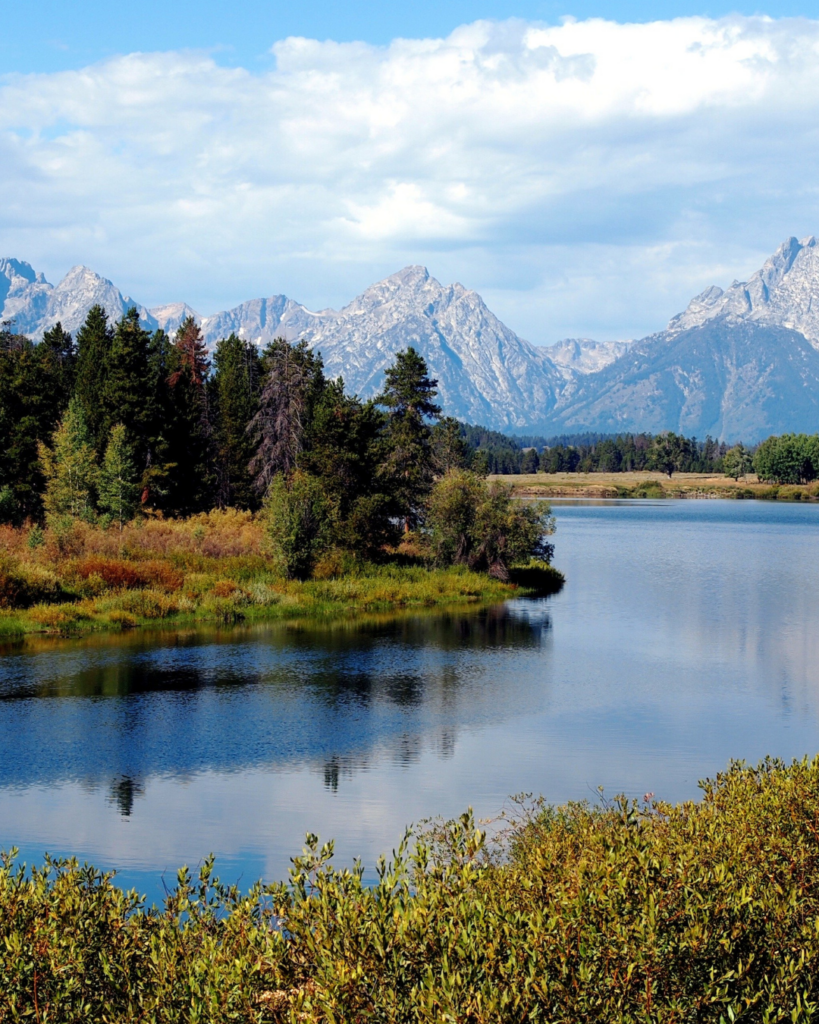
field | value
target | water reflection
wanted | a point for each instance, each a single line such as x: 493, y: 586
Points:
x: 687, y: 634
x: 177, y: 704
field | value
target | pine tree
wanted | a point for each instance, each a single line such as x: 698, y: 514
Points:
x: 235, y: 388
x: 191, y: 477
x: 343, y: 448
x: 58, y: 360
x: 408, y: 397
x: 155, y: 479
x: 118, y: 486
x: 293, y: 382
x: 70, y: 467
x: 35, y: 385
x: 93, y: 345
x: 124, y: 393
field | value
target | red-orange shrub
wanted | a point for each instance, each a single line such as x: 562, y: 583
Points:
x: 115, y: 573
x: 160, y: 575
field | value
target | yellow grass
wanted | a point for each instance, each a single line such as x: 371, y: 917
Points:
x: 625, y: 485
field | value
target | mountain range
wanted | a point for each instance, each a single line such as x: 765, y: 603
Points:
x: 736, y: 364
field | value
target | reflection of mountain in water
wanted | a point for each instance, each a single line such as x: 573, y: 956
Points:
x: 340, y: 698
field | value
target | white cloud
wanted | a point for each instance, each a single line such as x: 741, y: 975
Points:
x: 586, y: 177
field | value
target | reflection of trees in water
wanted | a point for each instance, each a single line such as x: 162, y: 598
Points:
x: 168, y: 663
x: 122, y: 791
x: 338, y: 699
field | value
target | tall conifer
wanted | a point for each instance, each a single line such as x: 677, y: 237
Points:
x: 125, y: 388
x: 293, y: 382
x: 189, y: 434
x: 235, y: 386
x: 118, y: 487
x: 70, y: 467
x: 408, y: 395
x: 93, y: 345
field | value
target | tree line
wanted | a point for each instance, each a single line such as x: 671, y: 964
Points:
x: 121, y: 422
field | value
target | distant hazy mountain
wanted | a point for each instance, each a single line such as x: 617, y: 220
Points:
x: 35, y: 305
x: 740, y: 363
x: 582, y: 355
x: 731, y: 381
x: 736, y: 364
x: 170, y: 317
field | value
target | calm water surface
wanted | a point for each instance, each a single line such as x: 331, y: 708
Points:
x: 687, y: 635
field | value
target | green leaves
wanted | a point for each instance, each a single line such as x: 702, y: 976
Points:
x: 698, y: 913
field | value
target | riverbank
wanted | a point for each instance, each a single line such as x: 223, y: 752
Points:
x: 652, y: 485
x: 636, y: 910
x: 213, y: 568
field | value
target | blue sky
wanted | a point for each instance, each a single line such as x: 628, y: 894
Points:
x: 586, y: 177
x: 67, y: 35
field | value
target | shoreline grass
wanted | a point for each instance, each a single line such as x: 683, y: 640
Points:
x: 649, y: 484
x: 212, y: 569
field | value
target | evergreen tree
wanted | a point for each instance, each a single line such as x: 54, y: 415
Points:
x: 125, y: 386
x: 58, y: 360
x: 35, y: 385
x: 70, y: 467
x: 189, y: 436
x: 93, y: 345
x: 408, y: 397
x: 118, y: 485
x: 235, y: 389
x: 342, y: 449
x: 156, y: 471
x: 449, y: 448
x: 293, y: 381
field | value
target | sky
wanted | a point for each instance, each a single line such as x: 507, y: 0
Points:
x: 586, y: 167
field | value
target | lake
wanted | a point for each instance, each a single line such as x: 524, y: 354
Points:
x: 687, y: 635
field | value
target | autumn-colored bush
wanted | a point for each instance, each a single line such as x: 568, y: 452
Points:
x: 23, y: 584
x: 224, y: 588
x: 633, y: 913
x: 148, y: 604
x: 160, y: 575
x: 114, y: 572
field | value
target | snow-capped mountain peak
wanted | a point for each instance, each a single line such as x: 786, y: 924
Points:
x: 781, y: 293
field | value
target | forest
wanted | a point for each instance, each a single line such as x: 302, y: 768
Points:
x: 140, y: 479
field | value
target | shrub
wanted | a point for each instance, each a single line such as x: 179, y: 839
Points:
x: 224, y: 588
x: 115, y: 573
x: 148, y: 604
x: 634, y: 912
x: 297, y: 514
x: 23, y: 584
x: 160, y: 575
x: 483, y: 525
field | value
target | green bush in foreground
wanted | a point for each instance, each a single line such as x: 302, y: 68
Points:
x: 702, y: 911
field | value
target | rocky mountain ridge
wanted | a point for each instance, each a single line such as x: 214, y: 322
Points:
x: 739, y: 363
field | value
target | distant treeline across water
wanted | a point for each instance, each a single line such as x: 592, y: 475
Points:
x: 784, y: 459
x: 588, y: 453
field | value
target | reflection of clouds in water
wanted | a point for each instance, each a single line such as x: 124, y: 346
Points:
x: 686, y: 635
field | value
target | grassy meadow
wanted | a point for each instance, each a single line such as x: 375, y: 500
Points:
x: 212, y: 568
x: 650, y: 484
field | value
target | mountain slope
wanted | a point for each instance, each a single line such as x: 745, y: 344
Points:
x: 740, y: 363
x: 731, y: 380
